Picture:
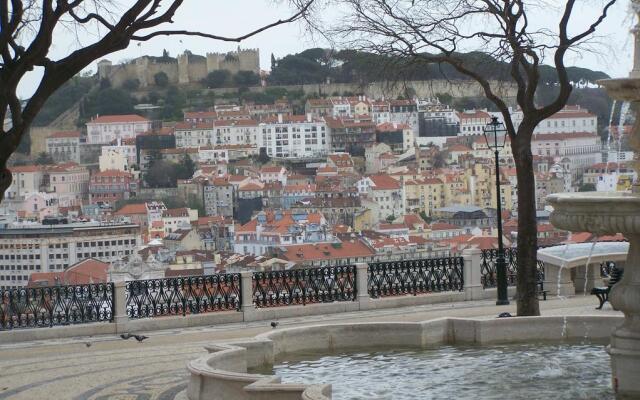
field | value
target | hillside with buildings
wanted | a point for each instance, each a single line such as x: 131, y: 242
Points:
x: 250, y: 186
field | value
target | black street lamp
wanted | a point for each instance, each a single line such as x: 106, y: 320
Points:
x: 496, y: 135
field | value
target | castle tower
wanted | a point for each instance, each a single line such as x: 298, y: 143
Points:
x: 183, y: 68
x: 142, y: 71
x: 249, y: 60
x: 213, y: 62
x: 104, y: 69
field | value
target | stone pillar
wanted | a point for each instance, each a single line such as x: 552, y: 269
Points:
x: 552, y: 274
x: 246, y: 295
x: 362, y: 279
x: 625, y: 340
x: 120, y: 299
x: 472, y: 273
x: 592, y: 275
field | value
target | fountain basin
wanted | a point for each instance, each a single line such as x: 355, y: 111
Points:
x: 625, y: 89
x: 566, y: 371
x: 223, y: 373
x: 601, y: 213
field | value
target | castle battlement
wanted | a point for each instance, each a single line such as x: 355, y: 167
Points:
x: 184, y: 68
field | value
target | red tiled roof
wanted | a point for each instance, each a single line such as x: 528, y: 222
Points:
x: 110, y: 119
x: 64, y: 134
x: 112, y: 173
x: 83, y: 272
x: 391, y: 127
x: 474, y: 114
x: 175, y: 212
x: 458, y: 147
x: 384, y: 182
x: 137, y: 208
x: 326, y: 251
x: 25, y: 168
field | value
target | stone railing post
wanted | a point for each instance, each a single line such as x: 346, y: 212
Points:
x: 472, y: 274
x: 362, y: 279
x: 120, y: 317
x: 246, y: 294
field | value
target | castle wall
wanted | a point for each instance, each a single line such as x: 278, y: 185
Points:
x: 197, y: 71
x: 182, y: 72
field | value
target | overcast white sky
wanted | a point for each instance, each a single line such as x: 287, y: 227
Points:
x: 234, y: 17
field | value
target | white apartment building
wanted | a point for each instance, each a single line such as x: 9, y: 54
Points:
x: 570, y: 119
x: 240, y: 132
x: 25, y: 179
x: 125, y: 147
x: 112, y: 159
x: 294, y: 136
x: 575, y: 151
x: 194, y: 134
x: 69, y: 181
x: 387, y: 195
x: 25, y: 249
x: 107, y: 128
x: 380, y: 112
x: 473, y: 122
x: 64, y: 146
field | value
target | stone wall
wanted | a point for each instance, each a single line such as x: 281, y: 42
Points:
x: 183, y: 70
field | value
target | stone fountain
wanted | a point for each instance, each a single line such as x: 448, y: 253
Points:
x: 609, y: 213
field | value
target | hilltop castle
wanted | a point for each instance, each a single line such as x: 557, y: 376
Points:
x: 186, y: 68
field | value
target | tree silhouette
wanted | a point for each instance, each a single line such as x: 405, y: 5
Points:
x: 27, y: 38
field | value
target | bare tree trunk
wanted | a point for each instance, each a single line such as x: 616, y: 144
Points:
x: 527, y: 299
x: 5, y: 180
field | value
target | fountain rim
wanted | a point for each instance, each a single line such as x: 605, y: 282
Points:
x: 595, y: 198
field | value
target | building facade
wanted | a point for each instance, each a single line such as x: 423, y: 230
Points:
x: 25, y: 249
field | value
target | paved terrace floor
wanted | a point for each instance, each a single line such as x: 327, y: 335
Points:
x: 112, y: 368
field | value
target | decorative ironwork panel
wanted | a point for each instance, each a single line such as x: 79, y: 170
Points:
x: 415, y: 277
x: 489, y: 278
x: 606, y: 268
x: 183, y: 295
x: 56, y: 305
x: 304, y: 286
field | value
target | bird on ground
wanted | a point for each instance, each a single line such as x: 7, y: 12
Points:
x: 140, y: 338
x: 88, y: 344
x: 274, y: 324
x: 126, y: 336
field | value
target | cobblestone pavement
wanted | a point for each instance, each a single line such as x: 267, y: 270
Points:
x: 116, y: 369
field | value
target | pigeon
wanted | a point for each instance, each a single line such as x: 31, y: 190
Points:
x: 505, y: 315
x: 88, y: 344
x: 274, y: 324
x: 126, y: 336
x: 140, y: 338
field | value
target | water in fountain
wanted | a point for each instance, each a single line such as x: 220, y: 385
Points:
x: 624, y: 113
x: 613, y: 109
x: 586, y: 266
x: 524, y: 371
x: 562, y: 266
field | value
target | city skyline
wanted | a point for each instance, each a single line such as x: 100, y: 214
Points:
x: 615, y: 45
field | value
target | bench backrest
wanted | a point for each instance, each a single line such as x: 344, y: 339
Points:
x: 615, y: 276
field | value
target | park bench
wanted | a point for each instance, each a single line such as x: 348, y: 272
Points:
x: 542, y: 291
x: 602, y: 293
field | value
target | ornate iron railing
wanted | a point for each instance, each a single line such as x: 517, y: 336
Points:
x: 182, y: 296
x: 304, y: 286
x: 57, y: 305
x: 606, y: 268
x: 415, y: 277
x: 489, y: 278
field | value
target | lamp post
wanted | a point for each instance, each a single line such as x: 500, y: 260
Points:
x: 496, y: 135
